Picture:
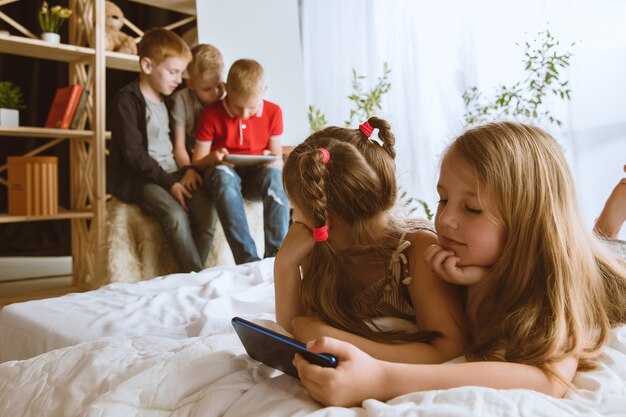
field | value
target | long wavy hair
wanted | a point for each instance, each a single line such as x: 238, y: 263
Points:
x: 556, y: 290
x: 357, y: 184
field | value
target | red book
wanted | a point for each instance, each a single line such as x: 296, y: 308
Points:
x: 63, y: 106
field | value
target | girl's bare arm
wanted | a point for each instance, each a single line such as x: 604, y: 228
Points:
x: 297, y: 244
x: 359, y: 376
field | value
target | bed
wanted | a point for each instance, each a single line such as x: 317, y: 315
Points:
x: 177, y: 307
x: 165, y: 347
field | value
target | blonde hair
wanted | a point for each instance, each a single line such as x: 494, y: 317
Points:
x: 357, y: 184
x: 205, y: 58
x: 159, y: 44
x: 246, y: 77
x: 555, y: 290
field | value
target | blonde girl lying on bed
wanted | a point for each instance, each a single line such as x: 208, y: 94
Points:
x: 359, y: 261
x: 542, y: 294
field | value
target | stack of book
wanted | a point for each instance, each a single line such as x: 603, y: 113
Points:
x: 69, y: 108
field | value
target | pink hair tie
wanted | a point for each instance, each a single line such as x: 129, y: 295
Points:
x: 366, y: 128
x: 326, y: 155
x: 320, y: 234
x: 370, y: 132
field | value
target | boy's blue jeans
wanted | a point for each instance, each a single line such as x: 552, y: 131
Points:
x: 228, y: 186
x: 190, y: 235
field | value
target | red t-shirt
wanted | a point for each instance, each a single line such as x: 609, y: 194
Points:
x: 249, y: 137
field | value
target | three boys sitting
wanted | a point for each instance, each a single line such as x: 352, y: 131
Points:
x: 145, y: 168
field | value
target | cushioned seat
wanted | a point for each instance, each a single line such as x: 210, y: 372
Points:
x: 135, y: 248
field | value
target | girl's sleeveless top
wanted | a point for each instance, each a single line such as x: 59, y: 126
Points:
x: 389, y: 296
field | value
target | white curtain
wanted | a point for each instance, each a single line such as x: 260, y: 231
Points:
x: 436, y: 50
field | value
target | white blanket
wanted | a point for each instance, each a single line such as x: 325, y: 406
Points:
x: 209, y: 374
x: 177, y: 306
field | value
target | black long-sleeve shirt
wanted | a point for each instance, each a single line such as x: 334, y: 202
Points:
x: 129, y: 166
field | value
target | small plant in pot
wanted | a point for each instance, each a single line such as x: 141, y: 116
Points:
x: 50, y: 21
x: 11, y: 102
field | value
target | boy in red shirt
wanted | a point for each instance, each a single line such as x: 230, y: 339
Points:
x: 243, y: 124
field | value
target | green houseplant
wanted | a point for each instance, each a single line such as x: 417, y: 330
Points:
x: 366, y: 103
x: 525, y: 100
x: 11, y: 102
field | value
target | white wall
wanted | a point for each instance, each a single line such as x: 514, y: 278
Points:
x: 267, y: 31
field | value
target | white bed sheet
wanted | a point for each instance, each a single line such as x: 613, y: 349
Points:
x: 194, y: 364
x: 212, y: 376
x: 177, y: 306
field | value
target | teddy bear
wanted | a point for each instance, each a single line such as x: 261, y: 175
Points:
x: 115, y: 39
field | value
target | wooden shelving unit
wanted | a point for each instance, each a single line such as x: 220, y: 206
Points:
x: 85, y: 57
x: 87, y: 62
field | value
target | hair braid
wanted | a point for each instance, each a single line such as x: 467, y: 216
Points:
x: 313, y: 172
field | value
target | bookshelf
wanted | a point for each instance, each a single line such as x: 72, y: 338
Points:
x: 85, y: 56
x: 87, y: 63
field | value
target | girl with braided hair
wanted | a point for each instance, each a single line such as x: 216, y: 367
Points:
x: 350, y: 267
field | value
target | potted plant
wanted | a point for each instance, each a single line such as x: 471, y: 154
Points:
x: 11, y: 102
x: 50, y: 21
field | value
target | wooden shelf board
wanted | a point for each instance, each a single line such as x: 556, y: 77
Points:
x: 180, y: 6
x: 120, y: 61
x: 35, y: 48
x: 45, y: 132
x: 61, y: 215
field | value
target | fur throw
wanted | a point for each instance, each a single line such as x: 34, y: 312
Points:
x: 135, y: 248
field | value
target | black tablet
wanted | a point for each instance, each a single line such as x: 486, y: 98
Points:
x: 275, y: 349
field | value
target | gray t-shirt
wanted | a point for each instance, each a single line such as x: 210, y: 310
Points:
x: 186, y: 112
x: 160, y: 146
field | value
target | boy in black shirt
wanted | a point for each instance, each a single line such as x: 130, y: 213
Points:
x: 141, y: 168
